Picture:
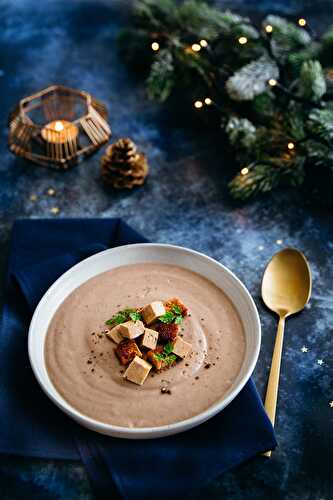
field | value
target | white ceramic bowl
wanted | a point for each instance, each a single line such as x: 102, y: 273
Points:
x: 133, y: 254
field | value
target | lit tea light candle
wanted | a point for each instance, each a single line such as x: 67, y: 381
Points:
x: 59, y: 132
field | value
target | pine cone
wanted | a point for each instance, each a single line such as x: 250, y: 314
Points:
x: 123, y: 166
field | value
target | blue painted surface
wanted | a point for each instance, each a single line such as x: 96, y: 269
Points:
x: 183, y: 202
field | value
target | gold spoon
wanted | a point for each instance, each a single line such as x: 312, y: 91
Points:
x: 285, y: 289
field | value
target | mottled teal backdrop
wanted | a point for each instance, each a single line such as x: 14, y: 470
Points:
x: 183, y: 202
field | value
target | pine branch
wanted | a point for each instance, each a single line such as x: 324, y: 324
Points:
x: 312, y: 84
x: 320, y: 123
x: 161, y: 78
x: 241, y: 132
x: 286, y: 36
x: 272, y: 89
x: 251, y: 80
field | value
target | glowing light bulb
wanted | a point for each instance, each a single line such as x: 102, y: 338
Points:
x: 291, y: 145
x: 208, y: 101
x: 196, y: 47
x: 198, y: 104
x: 272, y: 82
x: 244, y: 171
x: 269, y: 28
x: 302, y: 22
x: 203, y: 43
x: 242, y: 40
x: 155, y: 46
x: 58, y: 126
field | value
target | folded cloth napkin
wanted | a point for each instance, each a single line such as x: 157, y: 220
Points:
x: 41, y: 250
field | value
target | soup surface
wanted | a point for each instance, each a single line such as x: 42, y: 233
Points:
x: 83, y: 367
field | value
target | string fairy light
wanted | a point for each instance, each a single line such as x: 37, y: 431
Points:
x: 272, y: 82
x: 242, y: 40
x: 208, y: 101
x: 203, y: 43
x: 302, y: 21
x: 268, y: 28
x: 244, y: 171
x: 198, y: 104
x: 196, y: 47
x: 155, y: 46
x: 291, y: 145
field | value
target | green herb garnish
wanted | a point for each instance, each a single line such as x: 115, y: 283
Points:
x: 166, y: 355
x: 168, y: 348
x: 178, y: 320
x: 173, y: 316
x: 170, y: 359
x: 177, y: 310
x: 123, y: 316
x: 168, y: 317
x: 135, y: 315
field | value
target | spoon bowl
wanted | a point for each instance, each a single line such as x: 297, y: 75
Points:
x: 286, y: 284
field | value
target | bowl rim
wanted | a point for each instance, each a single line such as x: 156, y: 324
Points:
x: 137, y: 432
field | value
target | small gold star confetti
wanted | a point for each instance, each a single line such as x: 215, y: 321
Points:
x: 33, y: 197
x: 331, y: 404
x: 304, y: 349
x: 320, y: 362
x: 279, y: 242
x: 55, y: 210
x: 51, y: 192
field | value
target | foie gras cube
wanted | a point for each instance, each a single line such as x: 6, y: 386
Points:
x: 137, y: 371
x: 126, y: 351
x: 149, y: 339
x: 152, y: 311
x: 181, y: 348
x: 115, y: 335
x: 131, y: 329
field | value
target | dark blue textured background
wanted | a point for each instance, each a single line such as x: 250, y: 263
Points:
x: 183, y: 202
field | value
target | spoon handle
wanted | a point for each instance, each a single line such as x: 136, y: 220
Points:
x: 274, y: 375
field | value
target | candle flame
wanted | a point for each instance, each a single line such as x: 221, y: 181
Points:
x: 58, y: 127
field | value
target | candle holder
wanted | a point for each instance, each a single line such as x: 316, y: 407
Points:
x: 57, y: 127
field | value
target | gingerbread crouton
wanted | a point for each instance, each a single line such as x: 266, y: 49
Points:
x: 174, y: 301
x: 159, y: 359
x: 167, y: 332
x: 126, y: 351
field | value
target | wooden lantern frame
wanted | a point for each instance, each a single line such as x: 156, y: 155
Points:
x: 57, y: 102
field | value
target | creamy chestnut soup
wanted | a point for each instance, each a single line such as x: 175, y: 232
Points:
x: 82, y: 365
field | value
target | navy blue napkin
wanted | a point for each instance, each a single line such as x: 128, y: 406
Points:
x: 41, y: 251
